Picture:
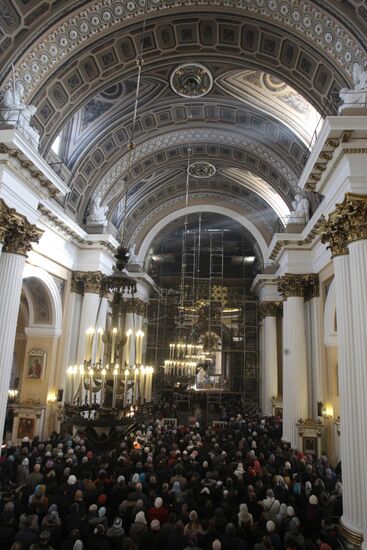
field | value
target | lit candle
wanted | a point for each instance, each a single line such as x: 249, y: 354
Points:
x: 113, y: 347
x: 99, y: 345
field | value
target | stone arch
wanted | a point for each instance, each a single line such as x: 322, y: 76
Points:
x: 147, y: 240
x: 54, y: 324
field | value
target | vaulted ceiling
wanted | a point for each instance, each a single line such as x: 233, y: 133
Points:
x: 271, y: 70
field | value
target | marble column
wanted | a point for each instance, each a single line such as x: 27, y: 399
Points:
x: 315, y: 333
x: 345, y: 233
x: 91, y: 281
x: 268, y: 310
x: 72, y: 332
x: 291, y: 287
x: 261, y: 364
x: 17, y: 242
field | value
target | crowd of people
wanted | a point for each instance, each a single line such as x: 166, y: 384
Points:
x: 170, y: 488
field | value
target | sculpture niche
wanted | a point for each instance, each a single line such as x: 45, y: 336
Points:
x: 15, y: 113
x: 301, y: 209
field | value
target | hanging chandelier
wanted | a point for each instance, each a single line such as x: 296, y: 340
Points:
x: 107, y: 374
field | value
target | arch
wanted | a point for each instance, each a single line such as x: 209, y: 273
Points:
x: 330, y: 334
x: 55, y: 300
x: 144, y: 247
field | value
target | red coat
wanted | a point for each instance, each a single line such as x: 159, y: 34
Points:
x: 158, y: 513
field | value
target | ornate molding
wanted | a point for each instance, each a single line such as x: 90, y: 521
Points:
x: 295, y: 285
x: 31, y: 169
x: 16, y: 232
x: 268, y: 309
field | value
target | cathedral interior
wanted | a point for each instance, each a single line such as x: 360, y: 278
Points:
x: 183, y: 206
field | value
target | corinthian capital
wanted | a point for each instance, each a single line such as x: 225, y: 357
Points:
x: 19, y: 233
x: 87, y: 282
x: 135, y: 305
x: 268, y: 309
x: 347, y: 223
x: 293, y: 285
x: 5, y: 213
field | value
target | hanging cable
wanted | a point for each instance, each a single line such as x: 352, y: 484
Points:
x: 131, y: 143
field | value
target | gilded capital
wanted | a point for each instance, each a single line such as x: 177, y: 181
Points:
x: 89, y: 282
x: 354, y: 216
x: 77, y: 284
x: 20, y: 234
x: 4, y: 219
x: 135, y: 305
x: 346, y: 224
x: 268, y: 309
x: 292, y: 285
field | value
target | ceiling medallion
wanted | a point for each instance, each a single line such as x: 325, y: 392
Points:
x: 191, y: 80
x: 201, y: 170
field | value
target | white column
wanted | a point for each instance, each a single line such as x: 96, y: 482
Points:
x: 316, y: 355
x: 87, y: 320
x: 295, y: 368
x: 358, y: 267
x: 270, y: 362
x: 270, y: 354
x: 261, y: 364
x: 71, y: 325
x: 11, y: 277
x: 353, y: 489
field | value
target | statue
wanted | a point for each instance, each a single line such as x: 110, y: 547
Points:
x: 16, y: 113
x: 97, y: 212
x: 132, y: 255
x: 357, y: 96
x: 301, y: 209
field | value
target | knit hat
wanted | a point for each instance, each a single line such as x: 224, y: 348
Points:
x: 313, y: 500
x: 216, y: 545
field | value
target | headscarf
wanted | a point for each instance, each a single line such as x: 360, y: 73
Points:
x: 140, y: 518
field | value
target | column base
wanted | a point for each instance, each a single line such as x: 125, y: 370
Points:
x: 353, y: 538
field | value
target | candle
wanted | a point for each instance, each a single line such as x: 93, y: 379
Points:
x: 125, y: 386
x: 91, y: 342
x: 81, y: 371
x: 99, y: 345
x: 103, y: 385
x: 114, y: 389
x: 90, y: 387
x: 113, y: 347
x: 128, y: 334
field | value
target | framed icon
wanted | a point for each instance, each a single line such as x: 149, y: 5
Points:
x: 36, y: 364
